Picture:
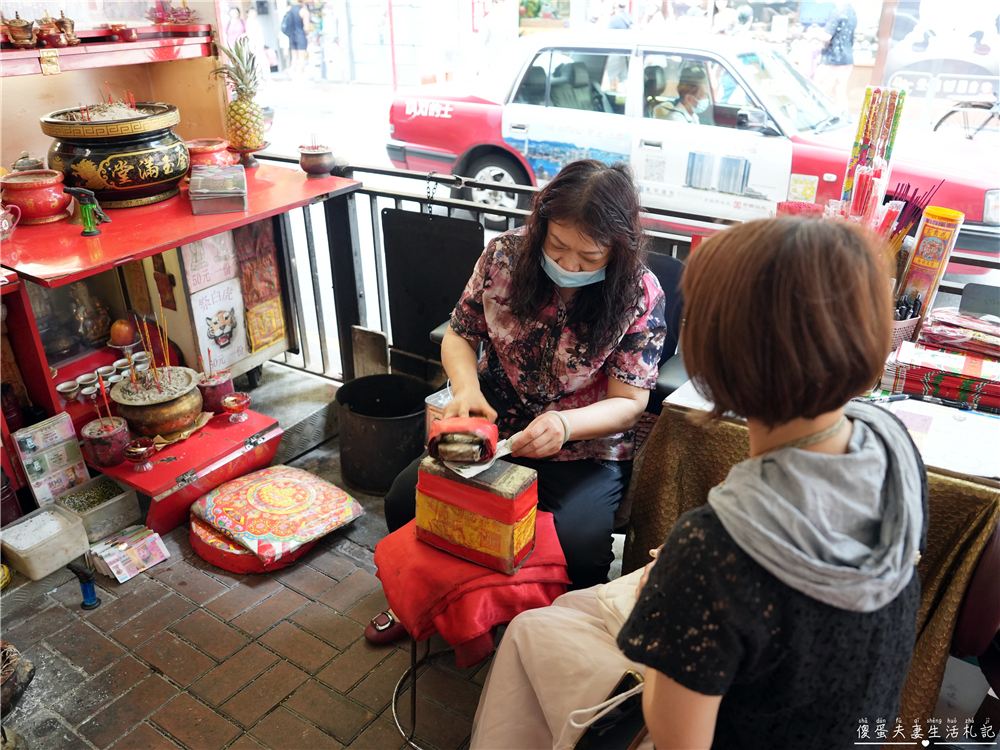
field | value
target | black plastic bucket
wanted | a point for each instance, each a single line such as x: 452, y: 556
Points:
x: 381, y: 429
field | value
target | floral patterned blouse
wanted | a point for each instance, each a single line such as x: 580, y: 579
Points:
x: 539, y: 365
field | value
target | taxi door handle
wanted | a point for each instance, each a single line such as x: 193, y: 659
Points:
x: 651, y: 144
x: 522, y: 128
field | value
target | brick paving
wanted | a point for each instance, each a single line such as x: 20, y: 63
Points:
x: 190, y: 656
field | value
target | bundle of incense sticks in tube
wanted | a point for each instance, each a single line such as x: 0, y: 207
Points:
x: 867, y: 175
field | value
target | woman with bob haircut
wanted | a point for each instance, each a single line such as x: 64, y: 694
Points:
x: 784, y: 610
x: 572, y: 324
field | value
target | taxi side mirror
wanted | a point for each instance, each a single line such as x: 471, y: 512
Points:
x: 754, y: 119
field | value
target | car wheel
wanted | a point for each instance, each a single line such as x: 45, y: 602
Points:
x: 499, y: 170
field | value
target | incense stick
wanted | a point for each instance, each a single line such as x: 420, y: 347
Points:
x: 107, y: 406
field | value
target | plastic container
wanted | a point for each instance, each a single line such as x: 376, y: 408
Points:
x: 110, y: 517
x: 50, y: 554
x: 434, y: 409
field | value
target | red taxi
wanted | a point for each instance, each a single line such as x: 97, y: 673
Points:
x: 766, y: 133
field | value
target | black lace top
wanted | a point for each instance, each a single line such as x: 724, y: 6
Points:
x: 795, y: 673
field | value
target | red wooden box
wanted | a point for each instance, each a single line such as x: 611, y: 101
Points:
x: 185, y: 471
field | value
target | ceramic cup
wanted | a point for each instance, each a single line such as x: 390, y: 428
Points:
x: 121, y: 366
x: 105, y: 372
x: 114, y: 379
x: 68, y: 390
x: 140, y: 358
x: 88, y: 380
x: 89, y: 393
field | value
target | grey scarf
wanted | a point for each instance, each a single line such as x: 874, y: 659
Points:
x: 844, y: 530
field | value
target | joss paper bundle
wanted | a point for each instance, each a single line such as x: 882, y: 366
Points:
x: 947, y: 328
x: 466, y: 440
x: 958, y: 376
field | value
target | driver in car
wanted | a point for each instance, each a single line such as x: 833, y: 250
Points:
x: 692, y: 98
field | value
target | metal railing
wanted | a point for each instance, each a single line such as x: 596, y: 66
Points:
x: 335, y: 258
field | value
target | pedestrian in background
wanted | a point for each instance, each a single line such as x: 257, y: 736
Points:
x: 255, y: 35
x: 621, y: 19
x: 235, y: 28
x: 294, y: 25
x: 652, y: 17
x: 837, y: 58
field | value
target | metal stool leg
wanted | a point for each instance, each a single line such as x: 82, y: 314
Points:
x: 411, y: 672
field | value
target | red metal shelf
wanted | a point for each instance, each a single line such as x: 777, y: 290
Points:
x: 192, y: 41
x: 55, y: 254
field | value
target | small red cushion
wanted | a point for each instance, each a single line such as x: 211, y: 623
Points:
x: 214, y: 547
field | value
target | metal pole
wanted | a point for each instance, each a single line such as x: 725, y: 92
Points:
x: 392, y: 46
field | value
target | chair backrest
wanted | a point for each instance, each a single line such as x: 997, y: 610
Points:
x: 574, y: 93
x: 533, y: 89
x: 428, y: 260
x: 668, y: 271
x: 655, y: 80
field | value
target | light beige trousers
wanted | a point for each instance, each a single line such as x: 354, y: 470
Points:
x: 551, y: 661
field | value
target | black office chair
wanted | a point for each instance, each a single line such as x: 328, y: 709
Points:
x: 668, y: 271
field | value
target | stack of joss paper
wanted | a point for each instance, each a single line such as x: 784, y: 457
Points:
x: 956, y: 376
x: 947, y: 328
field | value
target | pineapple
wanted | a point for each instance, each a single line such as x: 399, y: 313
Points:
x: 244, y: 118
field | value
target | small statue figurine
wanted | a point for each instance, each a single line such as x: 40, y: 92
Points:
x: 92, y: 319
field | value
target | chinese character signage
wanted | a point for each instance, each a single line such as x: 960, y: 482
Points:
x: 219, y: 320
x: 209, y: 261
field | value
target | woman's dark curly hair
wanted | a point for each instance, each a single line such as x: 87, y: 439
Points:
x: 601, y: 202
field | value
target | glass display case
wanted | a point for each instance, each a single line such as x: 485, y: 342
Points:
x: 74, y: 321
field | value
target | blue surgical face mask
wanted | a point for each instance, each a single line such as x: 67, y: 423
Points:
x: 565, y: 278
x: 701, y: 106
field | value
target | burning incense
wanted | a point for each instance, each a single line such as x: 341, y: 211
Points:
x: 110, y: 99
x: 152, y: 354
x: 164, y: 341
x: 131, y: 369
x: 209, y: 363
x: 107, y: 406
x: 142, y: 340
x: 166, y: 349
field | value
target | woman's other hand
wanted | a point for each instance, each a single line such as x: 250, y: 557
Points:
x: 470, y: 404
x: 540, y: 439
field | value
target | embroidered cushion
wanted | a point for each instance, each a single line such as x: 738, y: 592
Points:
x: 274, y: 511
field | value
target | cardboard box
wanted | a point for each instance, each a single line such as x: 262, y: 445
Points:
x: 488, y: 519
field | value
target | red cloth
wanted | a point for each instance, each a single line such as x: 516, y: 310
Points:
x: 431, y: 591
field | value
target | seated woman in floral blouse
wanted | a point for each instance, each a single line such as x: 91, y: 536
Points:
x: 572, y: 324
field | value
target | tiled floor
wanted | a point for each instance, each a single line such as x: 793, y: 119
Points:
x: 190, y: 656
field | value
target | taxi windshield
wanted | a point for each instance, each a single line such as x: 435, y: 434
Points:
x: 787, y: 93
